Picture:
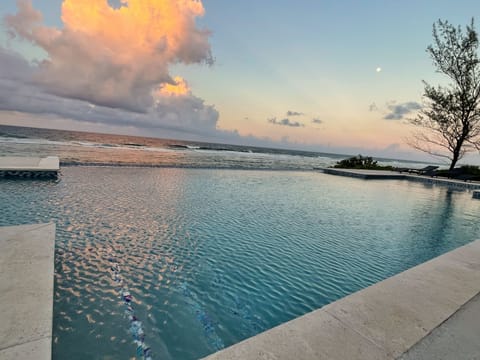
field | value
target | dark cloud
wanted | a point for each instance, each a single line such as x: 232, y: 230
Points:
x: 285, y: 122
x: 398, y: 111
x: 294, y: 113
x: 317, y: 121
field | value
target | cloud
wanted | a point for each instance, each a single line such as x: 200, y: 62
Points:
x: 317, y: 121
x: 113, y: 56
x: 373, y: 107
x: 109, y: 65
x: 285, y: 122
x: 294, y: 113
x: 116, y: 4
x: 398, y: 111
x: 174, y: 106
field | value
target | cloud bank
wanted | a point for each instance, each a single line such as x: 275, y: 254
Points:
x: 174, y: 107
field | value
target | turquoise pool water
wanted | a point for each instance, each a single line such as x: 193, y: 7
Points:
x: 211, y: 257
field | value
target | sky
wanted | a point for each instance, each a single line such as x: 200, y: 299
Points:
x: 332, y: 76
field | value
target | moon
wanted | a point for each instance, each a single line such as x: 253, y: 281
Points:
x: 378, y: 69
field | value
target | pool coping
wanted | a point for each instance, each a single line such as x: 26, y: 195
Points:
x: 394, y: 175
x: 29, y: 167
x: 382, y: 321
x: 455, y: 338
x: 21, y: 163
x: 26, y: 291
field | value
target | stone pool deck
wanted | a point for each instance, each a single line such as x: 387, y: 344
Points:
x: 416, y: 314
x: 25, y: 167
x: 394, y: 175
x: 26, y: 291
x: 456, y: 338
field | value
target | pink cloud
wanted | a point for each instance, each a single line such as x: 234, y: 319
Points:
x: 113, y: 57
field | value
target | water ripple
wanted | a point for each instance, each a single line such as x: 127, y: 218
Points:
x: 213, y: 256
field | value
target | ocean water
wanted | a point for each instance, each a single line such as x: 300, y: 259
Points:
x: 80, y: 148
x: 210, y: 257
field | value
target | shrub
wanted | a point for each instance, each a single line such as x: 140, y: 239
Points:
x: 360, y: 162
x: 470, y: 169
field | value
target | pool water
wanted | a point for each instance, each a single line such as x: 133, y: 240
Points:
x: 211, y: 257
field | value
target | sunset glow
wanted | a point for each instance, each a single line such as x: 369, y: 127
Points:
x: 179, y: 88
x: 223, y: 69
x: 141, y: 28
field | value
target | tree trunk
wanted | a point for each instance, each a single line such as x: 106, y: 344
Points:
x: 454, y: 162
x: 456, y: 156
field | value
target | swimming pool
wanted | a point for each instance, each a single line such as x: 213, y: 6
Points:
x: 210, y: 257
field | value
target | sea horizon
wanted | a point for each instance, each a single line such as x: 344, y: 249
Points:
x: 77, y: 148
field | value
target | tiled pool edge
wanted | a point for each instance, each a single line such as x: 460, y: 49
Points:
x: 26, y: 291
x: 382, y: 321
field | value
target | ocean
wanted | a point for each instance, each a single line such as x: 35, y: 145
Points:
x: 84, y: 148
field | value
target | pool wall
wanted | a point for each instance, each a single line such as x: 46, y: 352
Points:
x: 382, y: 321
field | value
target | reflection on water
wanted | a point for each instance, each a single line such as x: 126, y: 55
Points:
x: 432, y: 227
x: 210, y: 257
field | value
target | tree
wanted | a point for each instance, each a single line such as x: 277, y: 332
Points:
x: 450, y: 116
